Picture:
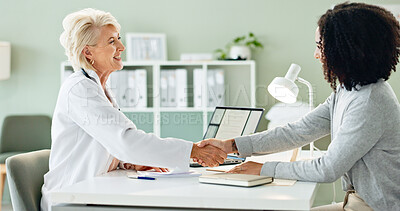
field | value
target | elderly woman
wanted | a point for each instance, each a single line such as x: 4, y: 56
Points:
x: 359, y: 46
x: 90, y: 136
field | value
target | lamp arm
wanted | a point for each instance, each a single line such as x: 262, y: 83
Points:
x: 311, y: 104
x: 310, y: 91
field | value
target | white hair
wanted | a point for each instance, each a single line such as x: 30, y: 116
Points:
x: 82, y: 28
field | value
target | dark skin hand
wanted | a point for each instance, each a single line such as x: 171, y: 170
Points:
x: 249, y: 167
x: 228, y: 146
x: 209, y: 155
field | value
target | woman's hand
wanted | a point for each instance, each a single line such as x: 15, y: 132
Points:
x: 249, y: 167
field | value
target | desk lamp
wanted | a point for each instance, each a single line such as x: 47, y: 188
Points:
x: 286, y: 91
x: 5, y: 55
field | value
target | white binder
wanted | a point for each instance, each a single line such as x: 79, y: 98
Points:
x: 171, y: 88
x: 197, y: 87
x: 141, y: 88
x: 181, y: 88
x: 118, y: 86
x: 212, y: 99
x: 219, y: 87
x: 112, y: 84
x: 131, y: 96
x: 164, y: 88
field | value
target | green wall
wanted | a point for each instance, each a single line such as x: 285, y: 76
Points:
x: 286, y: 27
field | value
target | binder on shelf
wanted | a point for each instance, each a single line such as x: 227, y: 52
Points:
x: 123, y: 88
x: 141, y: 88
x: 171, y: 88
x: 197, y: 87
x: 164, y: 88
x: 181, y: 88
x: 131, y: 90
x: 111, y: 89
x: 219, y: 87
x: 212, y: 101
x: 112, y: 86
x: 117, y: 85
x: 216, y: 87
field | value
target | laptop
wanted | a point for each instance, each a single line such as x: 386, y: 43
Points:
x: 230, y: 122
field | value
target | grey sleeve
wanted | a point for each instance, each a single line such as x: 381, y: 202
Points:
x: 362, y: 126
x: 311, y: 127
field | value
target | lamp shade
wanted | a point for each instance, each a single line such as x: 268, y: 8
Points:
x: 5, y: 60
x: 284, y: 89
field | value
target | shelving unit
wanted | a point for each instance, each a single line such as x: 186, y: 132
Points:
x: 239, y: 82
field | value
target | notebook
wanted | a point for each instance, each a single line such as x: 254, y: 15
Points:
x: 243, y: 180
x: 230, y: 122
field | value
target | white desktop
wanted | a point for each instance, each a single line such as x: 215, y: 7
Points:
x: 115, y: 191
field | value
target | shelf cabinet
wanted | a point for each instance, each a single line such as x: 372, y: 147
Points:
x: 189, y: 122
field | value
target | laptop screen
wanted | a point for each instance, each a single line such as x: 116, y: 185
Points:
x: 231, y: 122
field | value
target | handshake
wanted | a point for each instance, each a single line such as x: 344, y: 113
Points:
x: 212, y: 152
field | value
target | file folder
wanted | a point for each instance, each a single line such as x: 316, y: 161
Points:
x: 219, y: 90
x: 197, y: 87
x: 141, y: 88
x: 131, y: 96
x: 181, y: 88
x: 171, y: 88
x: 164, y: 88
x: 212, y: 99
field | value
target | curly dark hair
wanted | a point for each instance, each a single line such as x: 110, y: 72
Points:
x: 360, y: 43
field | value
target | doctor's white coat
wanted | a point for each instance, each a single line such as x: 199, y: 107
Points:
x: 88, y: 132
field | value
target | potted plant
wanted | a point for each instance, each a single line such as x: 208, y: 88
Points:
x: 240, y: 48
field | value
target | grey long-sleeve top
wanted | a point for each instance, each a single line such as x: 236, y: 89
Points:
x: 365, y: 149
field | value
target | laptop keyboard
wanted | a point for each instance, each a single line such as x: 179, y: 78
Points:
x: 226, y: 162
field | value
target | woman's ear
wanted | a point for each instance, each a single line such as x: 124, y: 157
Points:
x: 87, y: 53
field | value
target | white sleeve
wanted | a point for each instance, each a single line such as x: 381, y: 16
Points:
x: 89, y: 107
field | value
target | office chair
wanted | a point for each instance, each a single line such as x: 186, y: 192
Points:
x: 23, y: 133
x: 25, y: 178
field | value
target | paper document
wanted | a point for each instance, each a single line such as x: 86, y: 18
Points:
x: 282, y: 182
x: 168, y: 174
x: 232, y: 124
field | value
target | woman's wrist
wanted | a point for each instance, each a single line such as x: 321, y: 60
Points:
x: 233, y: 146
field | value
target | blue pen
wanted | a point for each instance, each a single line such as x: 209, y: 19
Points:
x: 235, y: 158
x: 142, y: 177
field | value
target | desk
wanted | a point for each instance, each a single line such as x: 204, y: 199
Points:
x: 116, y: 189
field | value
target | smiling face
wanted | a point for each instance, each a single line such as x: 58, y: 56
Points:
x: 106, y: 54
x: 318, y: 48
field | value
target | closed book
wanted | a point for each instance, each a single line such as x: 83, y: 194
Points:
x: 244, y: 180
